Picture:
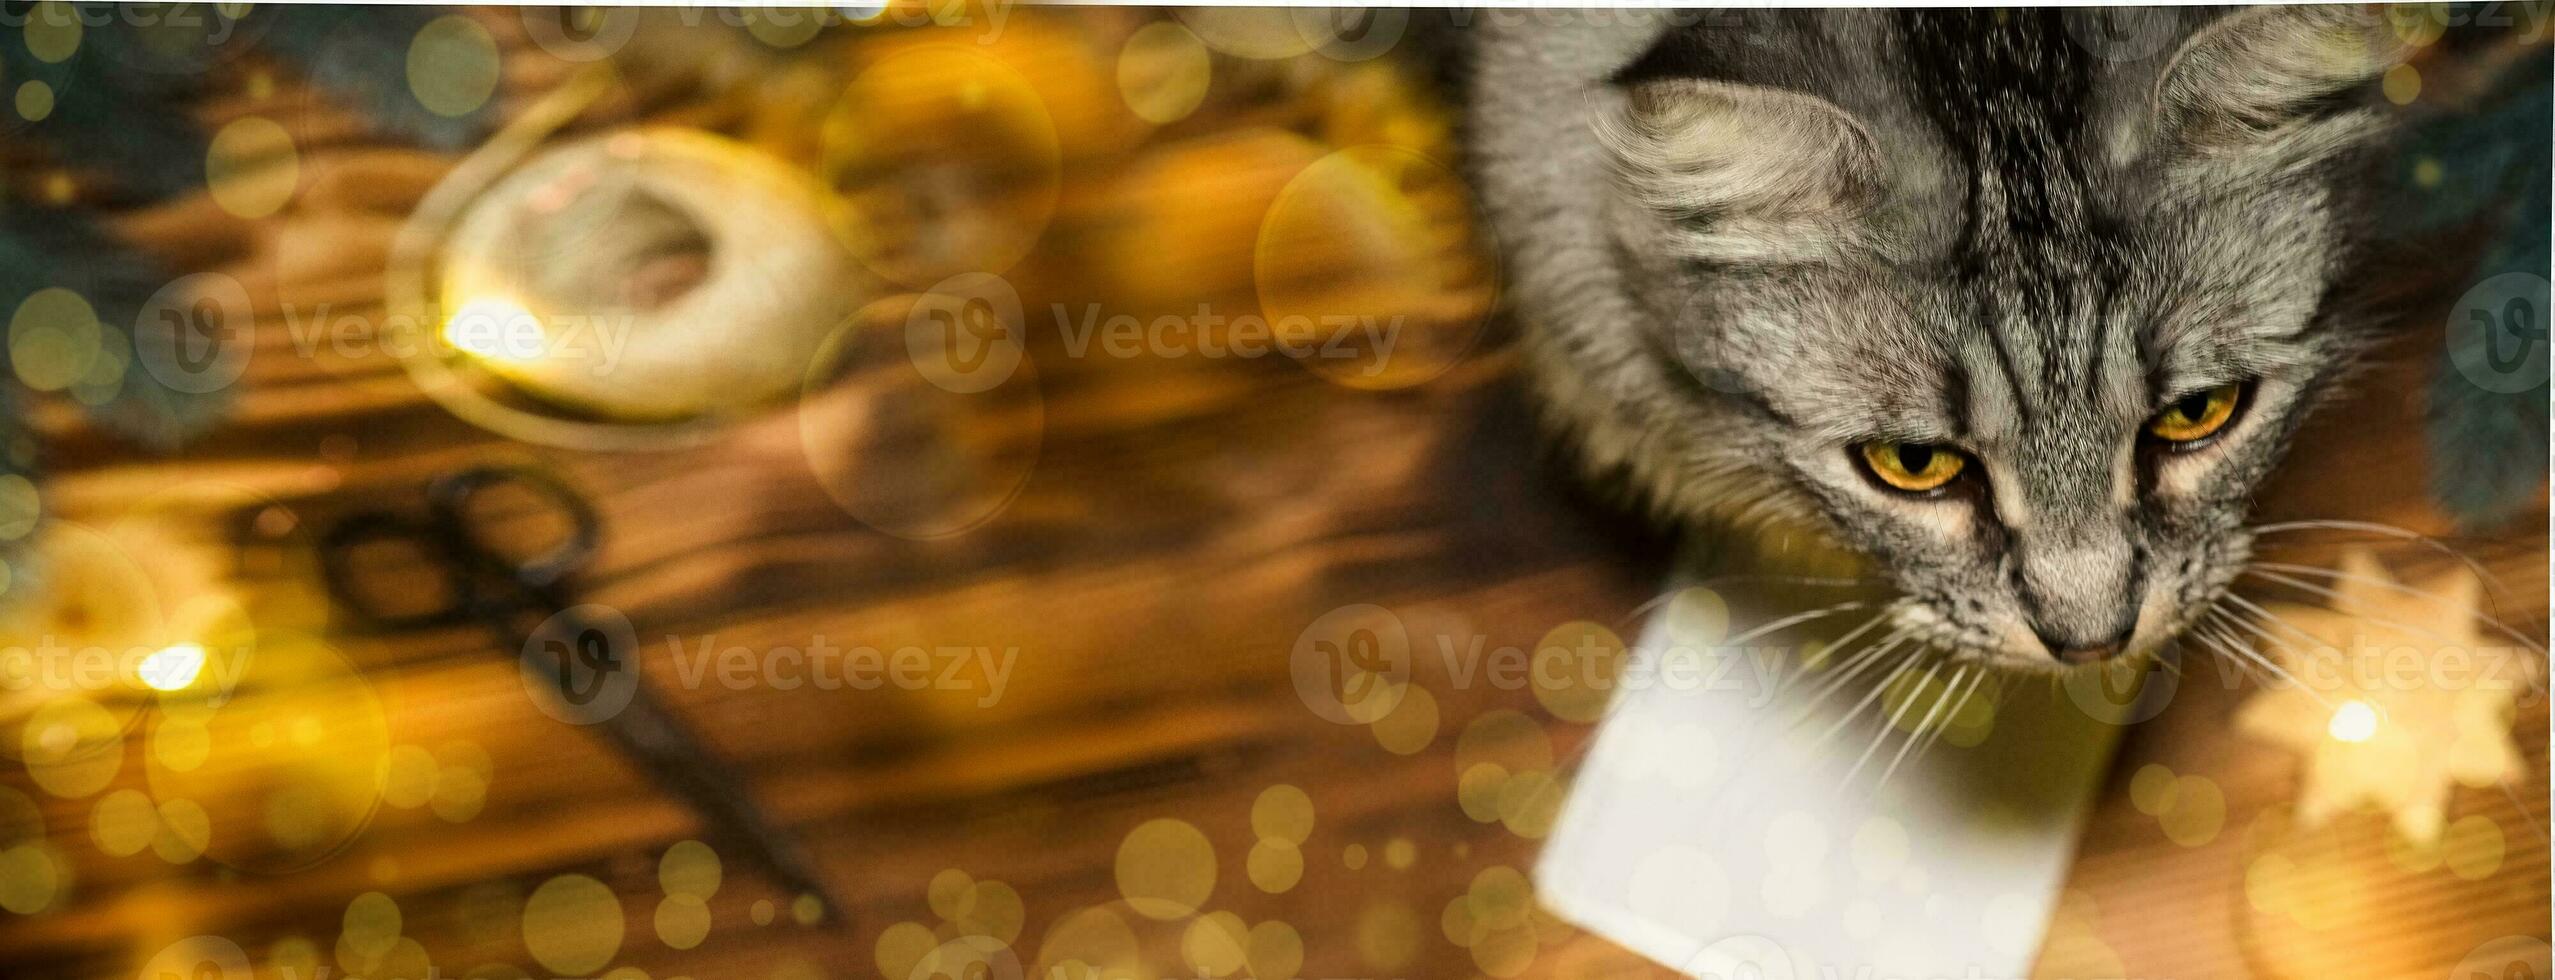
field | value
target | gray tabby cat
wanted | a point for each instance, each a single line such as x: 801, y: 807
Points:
x: 2020, y: 306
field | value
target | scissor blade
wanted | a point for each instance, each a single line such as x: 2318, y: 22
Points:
x: 674, y: 756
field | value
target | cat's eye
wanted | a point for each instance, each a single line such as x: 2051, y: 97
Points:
x: 2197, y: 416
x: 1912, y: 466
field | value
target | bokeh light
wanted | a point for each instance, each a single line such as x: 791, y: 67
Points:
x: 253, y: 167
x: 174, y: 667
x: 2353, y: 721
x: 1166, y: 868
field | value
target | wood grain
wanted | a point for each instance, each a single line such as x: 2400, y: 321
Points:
x: 1177, y: 523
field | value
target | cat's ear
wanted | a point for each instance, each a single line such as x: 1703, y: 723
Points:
x: 1749, y: 173
x: 2267, y: 77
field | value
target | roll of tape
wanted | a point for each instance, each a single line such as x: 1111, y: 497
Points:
x: 649, y: 274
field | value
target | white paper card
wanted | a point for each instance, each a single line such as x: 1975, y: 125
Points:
x: 1710, y: 831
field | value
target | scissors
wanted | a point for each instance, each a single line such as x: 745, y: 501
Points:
x: 524, y: 599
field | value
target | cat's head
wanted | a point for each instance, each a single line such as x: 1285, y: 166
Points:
x: 2022, y: 318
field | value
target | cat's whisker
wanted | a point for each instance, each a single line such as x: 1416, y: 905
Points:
x: 1832, y: 581
x: 1896, y: 715
x: 2385, y: 530
x: 2208, y: 635
x: 1854, y: 667
x: 1993, y: 698
x: 1844, y: 641
x: 1645, y: 609
x: 1733, y: 644
x: 2265, y: 667
x: 2491, y: 618
x: 2266, y: 615
x: 1857, y: 709
x: 1936, y: 719
x: 1869, y: 658
x: 1795, y: 620
x: 2510, y: 791
x: 2216, y: 636
x: 2233, y: 652
x: 2171, y: 667
x: 2258, y: 570
x: 2232, y: 645
x: 2216, y: 640
x: 2340, y: 575
x: 1653, y: 605
x: 2260, y: 657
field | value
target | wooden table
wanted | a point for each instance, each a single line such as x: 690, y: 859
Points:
x: 1178, y: 524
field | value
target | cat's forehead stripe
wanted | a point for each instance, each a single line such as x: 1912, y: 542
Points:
x: 2007, y: 90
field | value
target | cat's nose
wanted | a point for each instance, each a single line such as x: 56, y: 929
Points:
x: 2080, y: 650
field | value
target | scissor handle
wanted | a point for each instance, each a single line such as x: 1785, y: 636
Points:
x: 336, y: 556
x: 450, y: 495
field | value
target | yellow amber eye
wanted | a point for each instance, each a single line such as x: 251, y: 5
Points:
x: 1913, y: 467
x: 2196, y: 416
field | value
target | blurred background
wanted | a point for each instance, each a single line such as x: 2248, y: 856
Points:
x: 1014, y: 444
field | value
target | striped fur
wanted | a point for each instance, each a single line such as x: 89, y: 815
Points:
x: 1760, y: 240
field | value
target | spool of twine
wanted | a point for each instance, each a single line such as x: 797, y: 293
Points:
x: 648, y: 274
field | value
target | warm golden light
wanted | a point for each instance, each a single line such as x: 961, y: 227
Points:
x: 2353, y: 721
x: 173, y: 668
x: 494, y: 329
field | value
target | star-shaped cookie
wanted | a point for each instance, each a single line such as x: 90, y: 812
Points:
x: 2398, y: 697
